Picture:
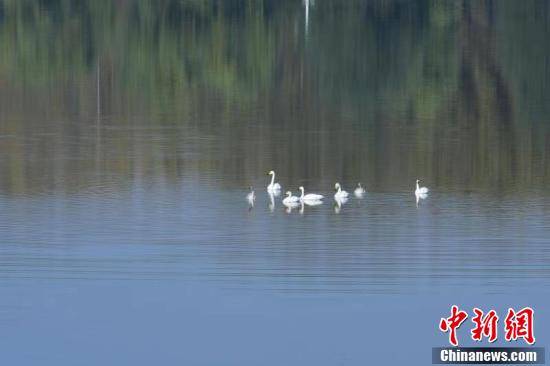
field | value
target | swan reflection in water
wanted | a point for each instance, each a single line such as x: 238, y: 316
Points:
x: 271, y: 201
x: 302, y: 205
x: 310, y: 203
x: 340, y: 201
x: 251, y: 197
x: 292, y: 205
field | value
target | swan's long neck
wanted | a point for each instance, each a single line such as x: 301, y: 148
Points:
x: 288, y: 194
x: 302, y: 189
x: 272, y: 178
x: 417, y: 186
x: 339, y: 189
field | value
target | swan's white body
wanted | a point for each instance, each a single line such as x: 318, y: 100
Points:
x: 359, y: 191
x: 339, y: 192
x: 420, y: 196
x: 310, y: 196
x: 420, y: 190
x: 312, y: 202
x: 273, y: 187
x: 289, y: 199
x: 250, y: 197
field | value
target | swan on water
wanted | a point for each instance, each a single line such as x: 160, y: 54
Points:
x: 359, y: 191
x: 273, y: 187
x: 250, y: 197
x: 339, y: 192
x: 420, y: 190
x: 290, y: 198
x: 310, y: 196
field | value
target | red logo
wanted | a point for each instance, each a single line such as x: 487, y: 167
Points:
x: 452, y: 323
x: 520, y: 325
x: 485, y: 325
x: 516, y: 325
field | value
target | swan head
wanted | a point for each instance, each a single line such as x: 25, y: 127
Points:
x: 301, y: 189
x: 417, y: 181
x: 251, y: 189
x: 288, y: 193
x: 271, y: 172
x: 359, y: 184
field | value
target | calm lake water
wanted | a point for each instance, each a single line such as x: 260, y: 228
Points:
x: 130, y: 132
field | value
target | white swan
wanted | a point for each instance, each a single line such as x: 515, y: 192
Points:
x: 290, y: 198
x: 339, y: 192
x: 310, y: 196
x: 420, y: 190
x: 250, y: 197
x: 359, y: 191
x: 273, y: 187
